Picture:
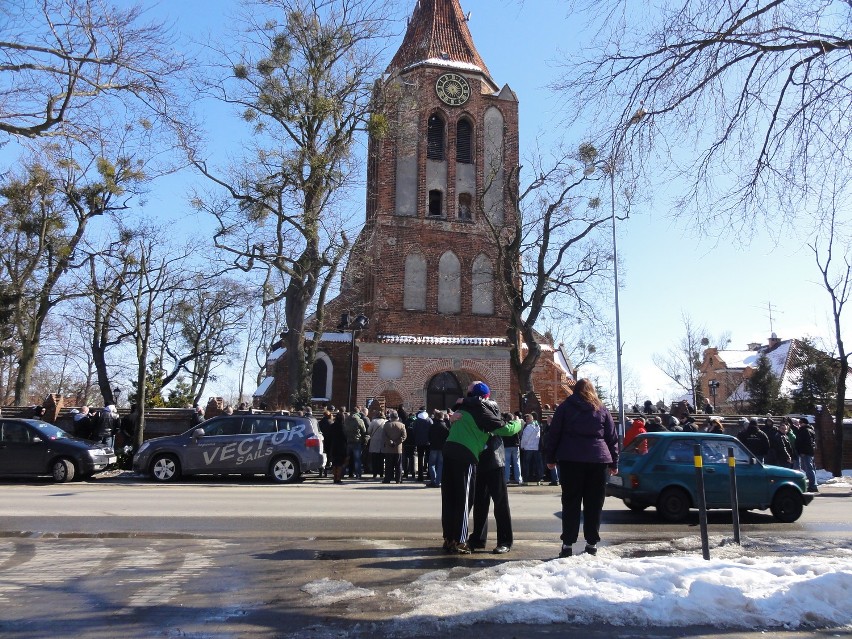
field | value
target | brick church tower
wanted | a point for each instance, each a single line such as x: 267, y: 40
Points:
x: 423, y: 268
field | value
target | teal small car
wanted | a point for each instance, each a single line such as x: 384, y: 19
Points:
x: 658, y: 469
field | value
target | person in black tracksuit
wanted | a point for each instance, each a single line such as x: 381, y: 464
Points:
x: 490, y: 485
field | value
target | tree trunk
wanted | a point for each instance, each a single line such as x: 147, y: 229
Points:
x: 839, y: 413
x: 141, y: 399
x: 99, y: 359
x: 29, y: 350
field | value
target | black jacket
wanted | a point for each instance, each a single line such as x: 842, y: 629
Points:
x: 755, y: 440
x: 806, y: 440
x: 438, y: 431
x: 493, y: 456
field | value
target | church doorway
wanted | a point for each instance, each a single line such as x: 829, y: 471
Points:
x: 443, y: 391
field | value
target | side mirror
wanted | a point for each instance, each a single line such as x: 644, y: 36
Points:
x: 197, y: 434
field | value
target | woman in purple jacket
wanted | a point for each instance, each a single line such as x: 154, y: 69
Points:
x: 583, y: 441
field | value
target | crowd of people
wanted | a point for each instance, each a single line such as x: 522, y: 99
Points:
x: 473, y: 452
x: 783, y: 441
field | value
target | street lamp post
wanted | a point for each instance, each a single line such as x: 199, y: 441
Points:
x: 637, y: 117
x: 713, y: 384
x: 352, y: 325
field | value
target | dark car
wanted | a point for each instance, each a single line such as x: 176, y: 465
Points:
x: 658, y: 469
x: 32, y: 447
x: 281, y: 446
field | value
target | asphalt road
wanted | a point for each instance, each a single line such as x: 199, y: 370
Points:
x: 236, y: 557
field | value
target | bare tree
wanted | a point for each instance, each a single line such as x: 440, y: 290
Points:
x: 209, y: 318
x: 833, y: 261
x: 60, y: 59
x: 547, y: 253
x: 158, y: 277
x: 759, y: 89
x: 304, y: 80
x: 682, y: 361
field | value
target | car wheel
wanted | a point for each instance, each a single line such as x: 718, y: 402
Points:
x: 636, y: 508
x: 63, y: 470
x: 673, y: 504
x: 165, y: 468
x: 787, y: 505
x: 284, y: 470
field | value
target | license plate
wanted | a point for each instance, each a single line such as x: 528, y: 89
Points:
x: 112, y: 459
x: 615, y: 480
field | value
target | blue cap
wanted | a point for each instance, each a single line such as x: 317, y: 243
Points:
x: 480, y: 389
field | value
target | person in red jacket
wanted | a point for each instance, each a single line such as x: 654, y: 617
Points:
x: 636, y: 428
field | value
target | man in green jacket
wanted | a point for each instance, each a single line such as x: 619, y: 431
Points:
x: 474, y: 419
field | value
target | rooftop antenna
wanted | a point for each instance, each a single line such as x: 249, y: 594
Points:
x: 771, y: 321
x: 467, y: 17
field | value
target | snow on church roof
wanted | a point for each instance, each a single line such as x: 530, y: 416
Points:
x: 442, y: 340
x: 264, y: 386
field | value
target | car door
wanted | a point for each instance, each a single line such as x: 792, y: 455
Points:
x: 19, y: 452
x: 214, y: 452
x: 752, y: 487
x: 256, y: 444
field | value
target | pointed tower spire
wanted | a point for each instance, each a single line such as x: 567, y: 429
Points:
x: 438, y: 34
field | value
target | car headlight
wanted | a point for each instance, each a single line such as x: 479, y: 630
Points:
x: 94, y: 453
x: 143, y: 448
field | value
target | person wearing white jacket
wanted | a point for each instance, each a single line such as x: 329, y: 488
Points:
x: 530, y: 452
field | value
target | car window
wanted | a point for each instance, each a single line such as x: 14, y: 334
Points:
x: 641, y: 446
x: 298, y: 428
x: 680, y: 452
x: 49, y: 431
x: 716, y: 452
x: 14, y: 433
x: 223, y: 427
x: 262, y: 425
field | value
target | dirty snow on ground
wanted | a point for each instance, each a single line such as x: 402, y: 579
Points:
x: 633, y: 585
x: 756, y: 585
x: 326, y: 591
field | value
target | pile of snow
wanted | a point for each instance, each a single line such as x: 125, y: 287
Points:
x: 622, y: 587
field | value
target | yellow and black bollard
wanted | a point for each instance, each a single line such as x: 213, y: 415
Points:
x: 735, y: 502
x: 702, y: 502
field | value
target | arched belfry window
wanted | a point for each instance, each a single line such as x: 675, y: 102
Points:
x: 449, y: 283
x: 435, y: 138
x: 464, y: 141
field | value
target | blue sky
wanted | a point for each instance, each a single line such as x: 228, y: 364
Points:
x: 666, y: 270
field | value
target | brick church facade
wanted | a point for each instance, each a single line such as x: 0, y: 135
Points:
x: 422, y: 270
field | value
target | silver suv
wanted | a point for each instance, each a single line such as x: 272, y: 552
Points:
x: 281, y: 446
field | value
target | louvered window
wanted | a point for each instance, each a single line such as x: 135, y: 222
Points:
x: 464, y: 142
x: 435, y: 138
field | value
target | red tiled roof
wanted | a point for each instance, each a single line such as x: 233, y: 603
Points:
x: 437, y: 32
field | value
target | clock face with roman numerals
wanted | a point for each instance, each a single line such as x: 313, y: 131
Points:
x: 452, y: 89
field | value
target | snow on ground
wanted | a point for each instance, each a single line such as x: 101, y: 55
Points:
x: 622, y: 587
x: 760, y: 584
x: 326, y: 591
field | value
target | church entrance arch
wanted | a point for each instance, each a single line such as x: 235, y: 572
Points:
x: 443, y: 390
